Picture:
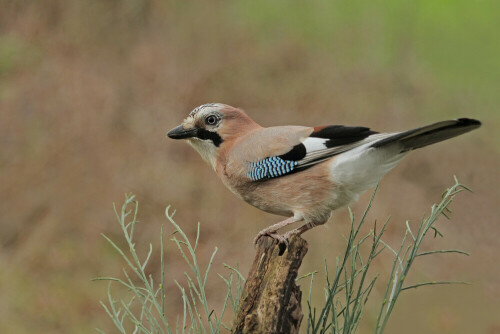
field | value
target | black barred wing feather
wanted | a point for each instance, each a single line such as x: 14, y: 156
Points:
x: 271, y: 167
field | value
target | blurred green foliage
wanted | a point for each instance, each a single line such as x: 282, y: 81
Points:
x: 456, y: 42
x: 15, y: 55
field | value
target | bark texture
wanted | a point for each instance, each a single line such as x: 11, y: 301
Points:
x: 270, y: 302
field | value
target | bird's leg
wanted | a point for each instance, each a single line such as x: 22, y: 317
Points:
x: 272, y: 230
x: 300, y: 230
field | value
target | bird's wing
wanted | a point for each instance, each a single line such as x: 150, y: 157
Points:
x: 301, y: 152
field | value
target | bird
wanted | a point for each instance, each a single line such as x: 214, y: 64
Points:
x: 299, y: 172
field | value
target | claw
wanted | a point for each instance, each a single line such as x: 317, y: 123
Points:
x: 257, y: 238
x: 281, y: 239
x: 288, y: 234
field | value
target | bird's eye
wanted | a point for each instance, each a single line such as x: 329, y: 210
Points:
x: 211, y: 120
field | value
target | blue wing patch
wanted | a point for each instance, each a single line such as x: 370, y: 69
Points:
x: 270, y: 167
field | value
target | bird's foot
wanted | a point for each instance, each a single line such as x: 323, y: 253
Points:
x: 272, y: 231
x: 273, y: 234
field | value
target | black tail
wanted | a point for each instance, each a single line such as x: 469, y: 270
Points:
x: 430, y: 134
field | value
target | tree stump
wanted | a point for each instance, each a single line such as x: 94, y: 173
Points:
x: 270, y: 302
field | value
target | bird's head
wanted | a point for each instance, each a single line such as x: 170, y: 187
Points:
x: 211, y: 127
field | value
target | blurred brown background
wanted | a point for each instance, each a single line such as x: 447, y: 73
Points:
x: 89, y: 88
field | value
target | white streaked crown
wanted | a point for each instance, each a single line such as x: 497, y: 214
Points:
x: 206, y: 108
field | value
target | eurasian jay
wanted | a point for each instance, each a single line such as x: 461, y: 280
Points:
x: 303, y: 173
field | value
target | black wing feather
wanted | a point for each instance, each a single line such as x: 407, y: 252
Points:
x: 339, y: 135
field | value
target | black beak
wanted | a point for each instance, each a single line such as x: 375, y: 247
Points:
x: 181, y: 133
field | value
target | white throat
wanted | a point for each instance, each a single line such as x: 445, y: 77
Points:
x: 206, y: 149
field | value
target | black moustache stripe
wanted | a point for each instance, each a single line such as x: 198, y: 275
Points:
x: 209, y: 135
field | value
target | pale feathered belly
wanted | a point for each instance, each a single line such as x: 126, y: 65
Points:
x: 310, y: 194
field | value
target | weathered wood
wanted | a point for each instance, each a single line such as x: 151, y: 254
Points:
x: 270, y: 302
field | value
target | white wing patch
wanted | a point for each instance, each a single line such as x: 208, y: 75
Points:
x: 314, y: 144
